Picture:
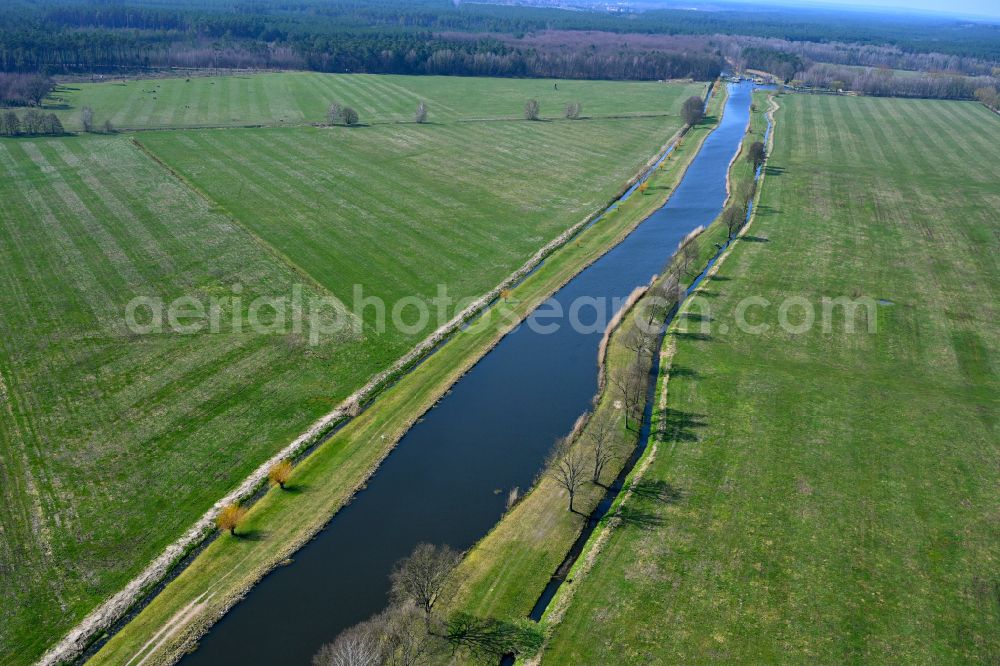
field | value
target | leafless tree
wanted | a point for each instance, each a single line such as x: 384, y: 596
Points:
x: 34, y: 122
x: 600, y: 432
x: 531, y: 109
x: 395, y: 637
x: 359, y: 645
x: 567, y: 467
x: 334, y: 113
x: 420, y: 577
x: 756, y: 154
x: 989, y: 97
x: 421, y: 115
x: 689, y: 255
x: 631, y: 381
x: 573, y: 110
x: 10, y: 124
x: 733, y: 218
x: 109, y: 128
x: 641, y: 340
x: 660, y: 300
x: 87, y: 119
x: 693, y: 110
x: 53, y: 125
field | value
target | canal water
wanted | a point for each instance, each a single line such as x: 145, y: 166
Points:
x: 447, y: 480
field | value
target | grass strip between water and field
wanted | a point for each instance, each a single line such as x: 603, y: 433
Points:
x: 834, y: 489
x: 280, y: 522
x: 506, y: 572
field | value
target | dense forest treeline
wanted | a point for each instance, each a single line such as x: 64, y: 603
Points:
x: 397, y: 36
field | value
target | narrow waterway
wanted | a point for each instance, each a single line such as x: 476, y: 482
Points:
x: 447, y: 480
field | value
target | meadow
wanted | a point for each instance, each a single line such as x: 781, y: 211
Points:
x: 114, y: 442
x: 297, y: 98
x: 384, y: 207
x: 835, y: 492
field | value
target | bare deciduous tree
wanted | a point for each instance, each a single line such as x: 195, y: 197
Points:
x: 756, y: 153
x: 421, y: 114
x: 53, y: 125
x: 334, y: 113
x: 631, y: 383
x: 566, y: 466
x: 109, y: 128
x: 600, y: 432
x: 87, y: 119
x: 420, y: 577
x: 689, y: 255
x: 531, y: 109
x: 356, y: 646
x: 395, y: 637
x: 10, y: 124
x: 693, y: 110
x: 641, y: 340
x: 733, y: 217
x: 573, y: 110
x: 34, y: 122
x: 989, y: 97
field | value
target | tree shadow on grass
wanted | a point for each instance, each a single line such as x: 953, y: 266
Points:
x: 630, y: 515
x: 679, y: 426
x: 701, y: 337
x: 774, y: 170
x: 681, y: 371
x: 250, y: 534
x: 657, y: 491
x: 755, y: 239
x: 763, y: 210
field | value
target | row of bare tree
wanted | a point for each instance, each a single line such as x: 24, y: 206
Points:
x: 410, y: 631
x: 24, y: 89
x: 33, y: 123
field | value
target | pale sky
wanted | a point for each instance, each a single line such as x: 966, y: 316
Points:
x: 987, y: 8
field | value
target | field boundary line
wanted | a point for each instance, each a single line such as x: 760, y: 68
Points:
x: 79, y: 638
x: 213, y: 204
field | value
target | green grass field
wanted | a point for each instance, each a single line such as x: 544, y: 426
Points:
x: 114, y: 443
x: 384, y: 206
x: 837, y: 492
x: 296, y: 98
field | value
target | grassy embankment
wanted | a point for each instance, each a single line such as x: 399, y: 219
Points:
x: 835, y: 491
x: 504, y: 574
x: 298, y: 98
x: 111, y: 438
x: 329, y: 476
